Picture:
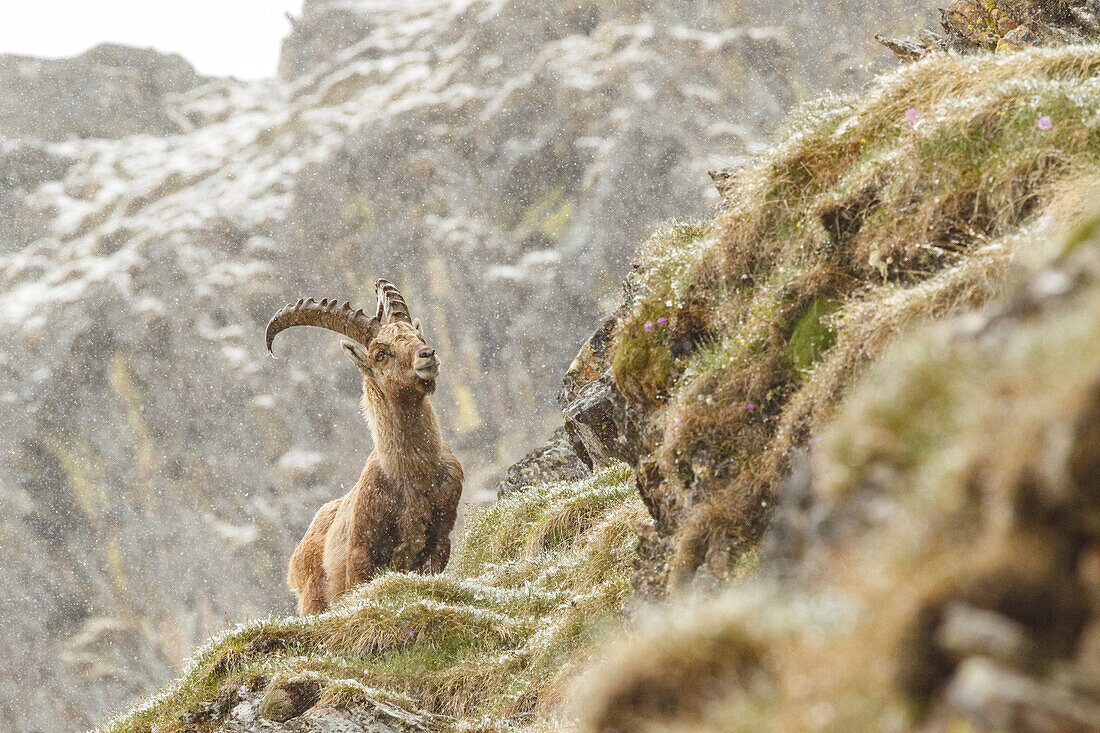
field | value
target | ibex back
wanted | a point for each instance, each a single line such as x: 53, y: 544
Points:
x: 400, y: 513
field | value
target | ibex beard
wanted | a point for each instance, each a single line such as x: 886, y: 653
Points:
x: 400, y: 513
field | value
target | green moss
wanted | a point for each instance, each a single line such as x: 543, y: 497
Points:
x: 641, y: 361
x: 550, y: 214
x: 812, y: 336
x: 643, y: 364
x: 533, y: 579
x: 1083, y: 232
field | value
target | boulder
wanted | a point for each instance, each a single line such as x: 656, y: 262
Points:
x: 554, y: 460
x: 286, y: 699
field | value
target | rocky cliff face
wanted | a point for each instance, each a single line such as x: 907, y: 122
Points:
x: 110, y: 91
x: 498, y: 160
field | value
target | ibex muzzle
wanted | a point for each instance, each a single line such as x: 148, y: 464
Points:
x: 401, y: 512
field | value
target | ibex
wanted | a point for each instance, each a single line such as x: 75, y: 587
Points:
x: 402, y: 509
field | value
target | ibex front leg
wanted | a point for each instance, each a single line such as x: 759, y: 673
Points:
x: 443, y: 517
x: 441, y: 553
x: 369, y: 510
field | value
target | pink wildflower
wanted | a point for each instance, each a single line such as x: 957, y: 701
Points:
x: 648, y: 326
x: 1045, y: 123
x: 912, y: 114
x: 751, y: 407
x: 662, y: 321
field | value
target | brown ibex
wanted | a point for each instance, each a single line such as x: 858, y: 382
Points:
x: 400, y: 513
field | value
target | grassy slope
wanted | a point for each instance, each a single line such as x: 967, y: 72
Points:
x: 963, y: 470
x: 535, y: 577
x: 872, y: 213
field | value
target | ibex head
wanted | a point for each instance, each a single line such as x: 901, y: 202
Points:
x: 388, y: 347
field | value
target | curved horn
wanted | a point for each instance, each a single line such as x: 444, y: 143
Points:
x: 355, y: 324
x: 391, y: 305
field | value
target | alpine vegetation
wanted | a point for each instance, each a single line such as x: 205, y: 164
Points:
x: 742, y: 344
x: 536, y: 579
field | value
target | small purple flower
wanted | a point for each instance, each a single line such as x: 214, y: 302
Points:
x: 648, y: 326
x: 678, y: 420
x: 912, y: 114
x: 750, y: 407
x: 662, y: 321
x: 750, y: 311
x: 412, y: 634
x: 762, y: 291
x: 1045, y: 123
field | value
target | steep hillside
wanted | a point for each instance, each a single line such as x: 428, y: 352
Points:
x: 933, y: 564
x: 930, y: 565
x: 875, y: 212
x: 498, y: 159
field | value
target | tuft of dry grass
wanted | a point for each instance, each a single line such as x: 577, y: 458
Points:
x: 873, y: 213
x: 960, y: 472
x: 535, y: 577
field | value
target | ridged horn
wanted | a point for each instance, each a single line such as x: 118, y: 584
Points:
x: 355, y: 324
x: 391, y: 305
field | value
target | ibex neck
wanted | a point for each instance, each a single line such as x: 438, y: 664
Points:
x: 406, y: 432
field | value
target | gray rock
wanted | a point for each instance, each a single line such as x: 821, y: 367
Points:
x: 318, y: 35
x: 599, y: 424
x: 554, y: 460
x: 110, y: 91
x: 366, y: 715
x: 968, y: 631
x: 27, y: 163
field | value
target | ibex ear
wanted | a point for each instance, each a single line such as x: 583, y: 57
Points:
x: 416, y: 325
x: 357, y: 353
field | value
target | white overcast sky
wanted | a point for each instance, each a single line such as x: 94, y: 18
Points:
x: 223, y: 37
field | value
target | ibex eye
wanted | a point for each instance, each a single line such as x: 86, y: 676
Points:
x: 380, y: 356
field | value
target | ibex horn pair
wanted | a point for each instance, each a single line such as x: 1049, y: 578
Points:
x: 355, y: 324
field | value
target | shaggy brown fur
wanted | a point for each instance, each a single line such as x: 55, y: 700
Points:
x: 400, y: 513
